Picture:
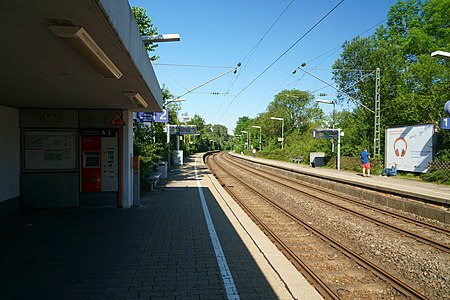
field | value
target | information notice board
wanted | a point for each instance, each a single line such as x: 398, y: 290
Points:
x: 50, y: 150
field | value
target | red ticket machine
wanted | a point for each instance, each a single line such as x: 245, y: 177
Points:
x: 91, y: 173
x: 98, y: 161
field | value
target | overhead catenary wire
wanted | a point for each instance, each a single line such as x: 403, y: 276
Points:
x: 205, y: 83
x: 249, y: 55
x: 338, y: 90
x: 283, y: 54
x: 194, y: 66
x: 331, y: 52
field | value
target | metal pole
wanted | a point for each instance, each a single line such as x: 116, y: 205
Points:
x: 260, y: 143
x: 339, y: 150
x: 168, y: 146
x: 377, y: 133
x: 248, y: 145
x: 334, y: 121
x: 282, y: 134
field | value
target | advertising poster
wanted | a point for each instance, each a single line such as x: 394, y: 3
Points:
x: 411, y: 147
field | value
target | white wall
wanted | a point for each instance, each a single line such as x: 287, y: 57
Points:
x: 9, y: 153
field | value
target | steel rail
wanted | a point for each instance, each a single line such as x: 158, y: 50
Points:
x: 321, y: 286
x: 425, y: 240
x: 382, y: 274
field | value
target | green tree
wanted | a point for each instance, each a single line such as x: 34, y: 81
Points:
x: 146, y: 27
x: 297, y: 108
x: 414, y: 86
x: 199, y: 122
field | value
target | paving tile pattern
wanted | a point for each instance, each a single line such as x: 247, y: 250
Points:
x: 160, y: 250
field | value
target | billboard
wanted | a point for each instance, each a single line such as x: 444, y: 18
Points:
x: 411, y: 147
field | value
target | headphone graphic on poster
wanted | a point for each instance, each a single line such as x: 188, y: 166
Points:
x: 400, y: 147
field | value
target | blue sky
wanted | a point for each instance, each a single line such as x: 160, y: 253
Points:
x: 217, y: 35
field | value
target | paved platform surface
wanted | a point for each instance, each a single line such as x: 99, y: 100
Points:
x: 164, y: 249
x: 434, y: 192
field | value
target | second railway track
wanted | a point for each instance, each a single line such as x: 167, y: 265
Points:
x: 339, y: 262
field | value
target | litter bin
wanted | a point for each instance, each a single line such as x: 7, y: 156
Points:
x: 162, y: 168
x: 177, y: 157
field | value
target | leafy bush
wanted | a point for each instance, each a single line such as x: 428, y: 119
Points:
x: 148, y: 152
x: 439, y: 169
x: 438, y: 176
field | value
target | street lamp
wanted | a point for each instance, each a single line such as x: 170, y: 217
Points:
x: 184, y: 118
x: 334, y: 113
x: 171, y: 37
x: 178, y: 99
x: 441, y: 54
x: 282, y: 130
x: 243, y: 131
x: 260, y: 145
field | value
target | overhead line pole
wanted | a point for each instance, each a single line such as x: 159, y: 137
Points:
x: 377, y: 125
x: 376, y: 112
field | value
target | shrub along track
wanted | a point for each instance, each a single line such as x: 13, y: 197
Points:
x: 318, y: 239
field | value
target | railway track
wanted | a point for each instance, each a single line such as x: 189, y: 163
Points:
x: 337, y: 270
x: 436, y: 236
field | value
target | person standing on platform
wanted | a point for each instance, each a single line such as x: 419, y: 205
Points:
x: 254, y: 152
x: 365, y: 162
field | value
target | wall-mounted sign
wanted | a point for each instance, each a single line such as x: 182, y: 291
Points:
x: 149, y: 117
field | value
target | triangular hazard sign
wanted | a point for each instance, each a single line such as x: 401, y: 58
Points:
x: 117, y: 120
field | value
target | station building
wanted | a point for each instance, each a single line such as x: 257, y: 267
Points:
x: 73, y: 73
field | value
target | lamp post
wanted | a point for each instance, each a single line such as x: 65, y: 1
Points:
x: 334, y: 113
x: 260, y: 144
x: 282, y: 130
x: 168, y: 130
x: 234, y: 144
x: 243, y: 131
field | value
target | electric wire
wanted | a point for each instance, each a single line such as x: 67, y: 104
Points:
x: 194, y: 66
x: 283, y: 54
x: 330, y: 52
x: 250, y: 54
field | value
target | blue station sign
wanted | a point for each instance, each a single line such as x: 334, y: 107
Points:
x: 326, y: 133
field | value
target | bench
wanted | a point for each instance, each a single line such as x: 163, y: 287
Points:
x: 296, y: 160
x: 153, y: 179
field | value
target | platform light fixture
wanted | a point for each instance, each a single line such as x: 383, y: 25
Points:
x: 329, y: 102
x: 78, y: 38
x: 334, y: 115
x: 441, y: 54
x: 246, y: 132
x: 136, y: 99
x: 172, y: 37
x: 260, y: 141
x: 282, y: 130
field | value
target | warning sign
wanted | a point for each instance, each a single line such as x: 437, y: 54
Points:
x: 117, y: 120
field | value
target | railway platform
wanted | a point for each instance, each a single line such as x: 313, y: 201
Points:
x: 187, y: 240
x: 430, y: 200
